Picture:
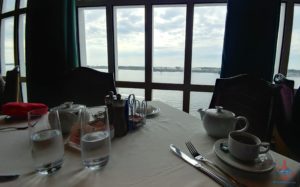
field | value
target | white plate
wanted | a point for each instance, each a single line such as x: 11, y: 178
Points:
x: 262, y: 164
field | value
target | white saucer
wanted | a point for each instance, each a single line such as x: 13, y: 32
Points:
x: 151, y: 110
x: 262, y: 164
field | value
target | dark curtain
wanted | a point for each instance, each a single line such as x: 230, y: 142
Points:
x: 250, y: 38
x: 51, y: 48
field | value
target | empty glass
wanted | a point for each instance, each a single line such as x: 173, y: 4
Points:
x: 95, y: 137
x: 47, y: 147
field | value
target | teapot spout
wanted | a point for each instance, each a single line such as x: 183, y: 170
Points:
x: 202, y: 112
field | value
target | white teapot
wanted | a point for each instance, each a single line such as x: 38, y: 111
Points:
x: 218, y: 122
x: 68, y: 115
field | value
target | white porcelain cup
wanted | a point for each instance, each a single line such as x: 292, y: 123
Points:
x: 245, y: 146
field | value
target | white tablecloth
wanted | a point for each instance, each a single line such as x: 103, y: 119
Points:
x: 141, y: 158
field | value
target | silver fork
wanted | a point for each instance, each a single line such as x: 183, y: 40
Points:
x: 201, y: 158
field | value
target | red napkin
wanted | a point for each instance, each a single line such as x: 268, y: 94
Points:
x: 19, y: 109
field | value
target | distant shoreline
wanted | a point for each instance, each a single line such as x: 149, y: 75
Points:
x: 164, y: 69
x: 292, y: 72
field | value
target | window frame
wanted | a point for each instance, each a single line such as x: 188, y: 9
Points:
x: 148, y: 85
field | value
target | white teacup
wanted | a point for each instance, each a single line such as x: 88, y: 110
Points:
x: 245, y: 146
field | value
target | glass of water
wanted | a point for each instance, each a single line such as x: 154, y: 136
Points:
x: 95, y: 137
x: 47, y: 147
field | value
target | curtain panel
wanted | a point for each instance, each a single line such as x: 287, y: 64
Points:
x: 250, y: 38
x: 51, y: 47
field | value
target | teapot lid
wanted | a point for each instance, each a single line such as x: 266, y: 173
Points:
x: 68, y: 107
x: 219, y: 112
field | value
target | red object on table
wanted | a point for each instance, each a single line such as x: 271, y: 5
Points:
x: 20, y: 110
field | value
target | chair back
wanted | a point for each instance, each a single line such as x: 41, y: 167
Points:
x: 287, y: 119
x: 11, y: 91
x: 247, y: 96
x: 284, y: 103
x: 87, y: 86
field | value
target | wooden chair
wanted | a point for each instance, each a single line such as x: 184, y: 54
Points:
x: 87, y: 86
x: 12, y: 86
x: 248, y: 96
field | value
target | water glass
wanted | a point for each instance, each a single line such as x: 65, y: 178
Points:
x: 47, y: 147
x: 95, y: 137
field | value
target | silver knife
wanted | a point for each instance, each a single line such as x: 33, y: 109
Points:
x: 200, y: 167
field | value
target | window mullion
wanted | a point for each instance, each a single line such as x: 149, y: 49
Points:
x: 110, y: 38
x: 148, y: 50
x: 16, y: 34
x: 188, y: 55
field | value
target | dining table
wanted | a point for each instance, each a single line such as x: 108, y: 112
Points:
x: 141, y: 158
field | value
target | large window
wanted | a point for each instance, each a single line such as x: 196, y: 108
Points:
x: 165, y: 50
x: 162, y: 49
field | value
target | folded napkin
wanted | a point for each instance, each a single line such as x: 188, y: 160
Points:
x: 20, y: 110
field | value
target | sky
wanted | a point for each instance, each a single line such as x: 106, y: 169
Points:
x: 168, y: 36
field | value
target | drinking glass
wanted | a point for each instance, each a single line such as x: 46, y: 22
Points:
x: 47, y: 147
x: 95, y: 137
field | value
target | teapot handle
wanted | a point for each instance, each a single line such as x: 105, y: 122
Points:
x: 246, y: 123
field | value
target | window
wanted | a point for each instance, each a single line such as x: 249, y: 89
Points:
x: 12, y: 38
x: 168, y: 43
x: 294, y: 63
x: 130, y: 43
x: 8, y: 5
x: 199, y: 100
x: 208, y: 35
x: 151, y: 45
x: 280, y: 38
x: 23, y: 3
x: 125, y: 92
x: 7, y: 43
x: 171, y: 97
x: 22, y: 20
x: 145, y: 43
x: 93, y: 38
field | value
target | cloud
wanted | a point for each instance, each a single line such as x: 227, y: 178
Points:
x: 169, y: 18
x: 130, y: 20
